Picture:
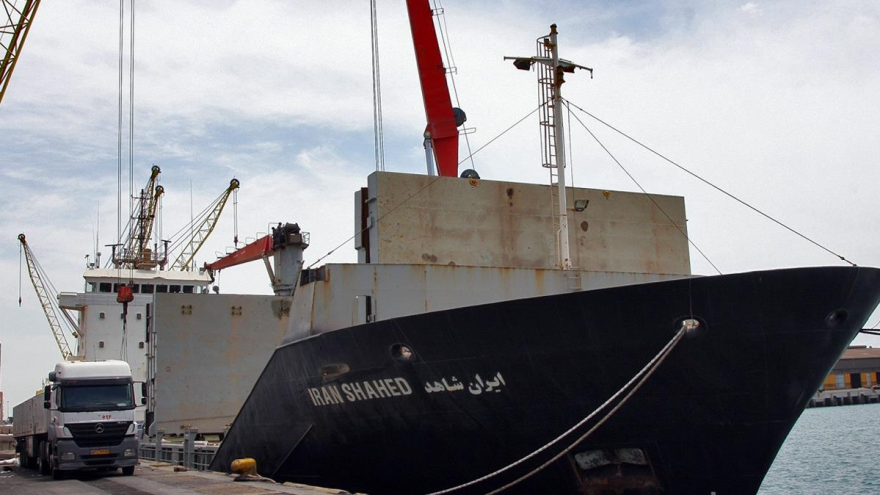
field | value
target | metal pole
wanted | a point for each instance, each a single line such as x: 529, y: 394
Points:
x: 429, y: 154
x: 565, y: 254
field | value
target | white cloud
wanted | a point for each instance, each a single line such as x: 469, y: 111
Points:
x: 777, y: 104
x: 751, y: 8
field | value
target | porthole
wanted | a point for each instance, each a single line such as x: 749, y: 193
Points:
x: 402, y: 353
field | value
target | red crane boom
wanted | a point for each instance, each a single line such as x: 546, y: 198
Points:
x: 442, y: 129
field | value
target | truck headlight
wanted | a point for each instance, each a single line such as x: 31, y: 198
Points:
x: 129, y: 453
x: 68, y: 456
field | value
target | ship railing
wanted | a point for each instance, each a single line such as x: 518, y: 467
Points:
x: 190, y: 453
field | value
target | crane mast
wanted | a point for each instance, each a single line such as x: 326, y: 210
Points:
x: 18, y: 27
x: 135, y: 251
x: 184, y: 260
x: 49, y: 301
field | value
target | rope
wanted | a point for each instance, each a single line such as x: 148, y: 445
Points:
x: 731, y: 196
x: 642, y: 376
x: 682, y: 232
x: 502, y: 133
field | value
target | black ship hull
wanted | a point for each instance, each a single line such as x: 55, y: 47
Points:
x: 488, y: 385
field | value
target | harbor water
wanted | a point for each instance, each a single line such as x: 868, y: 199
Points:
x: 830, y: 450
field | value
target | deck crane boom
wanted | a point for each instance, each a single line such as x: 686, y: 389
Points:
x: 49, y: 301
x: 443, y: 120
x: 135, y: 251
x: 206, y: 223
x: 18, y: 28
x: 285, y: 244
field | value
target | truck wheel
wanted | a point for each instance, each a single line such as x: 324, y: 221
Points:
x: 45, y: 468
x: 128, y: 470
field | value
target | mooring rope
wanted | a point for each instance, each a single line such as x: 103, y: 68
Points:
x: 642, y: 376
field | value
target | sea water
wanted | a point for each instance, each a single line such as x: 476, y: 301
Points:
x: 830, y: 450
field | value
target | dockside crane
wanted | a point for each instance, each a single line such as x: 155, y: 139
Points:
x: 202, y: 228
x: 135, y: 249
x: 17, y: 25
x: 48, y: 296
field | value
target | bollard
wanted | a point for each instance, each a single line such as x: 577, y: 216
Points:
x: 160, y: 435
x: 189, y: 438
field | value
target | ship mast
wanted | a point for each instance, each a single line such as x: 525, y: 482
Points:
x: 550, y: 80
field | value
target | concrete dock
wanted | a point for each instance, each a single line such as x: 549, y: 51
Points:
x: 149, y: 478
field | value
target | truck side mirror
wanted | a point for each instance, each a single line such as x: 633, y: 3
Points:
x: 144, y: 390
x: 47, y: 397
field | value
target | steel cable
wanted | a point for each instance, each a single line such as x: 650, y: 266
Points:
x: 717, y: 188
x: 642, y: 376
x: 651, y: 197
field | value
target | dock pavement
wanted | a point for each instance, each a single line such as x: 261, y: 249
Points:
x: 149, y: 478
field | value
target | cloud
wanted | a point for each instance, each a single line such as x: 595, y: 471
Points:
x: 751, y: 8
x: 777, y: 103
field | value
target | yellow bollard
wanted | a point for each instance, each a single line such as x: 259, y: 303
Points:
x: 246, y: 466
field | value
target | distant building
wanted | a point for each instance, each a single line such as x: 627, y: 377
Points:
x: 859, y: 367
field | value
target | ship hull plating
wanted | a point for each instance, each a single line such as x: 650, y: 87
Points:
x: 487, y: 385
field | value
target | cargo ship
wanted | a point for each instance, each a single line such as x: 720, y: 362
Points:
x: 520, y: 338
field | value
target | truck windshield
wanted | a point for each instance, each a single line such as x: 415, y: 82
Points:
x: 96, y: 397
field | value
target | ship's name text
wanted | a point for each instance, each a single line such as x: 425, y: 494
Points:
x: 359, y: 391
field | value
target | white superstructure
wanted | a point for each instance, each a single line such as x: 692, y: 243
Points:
x: 101, y: 335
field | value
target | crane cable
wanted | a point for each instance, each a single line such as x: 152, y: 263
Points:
x: 378, y: 132
x: 20, y: 250
x: 447, y: 49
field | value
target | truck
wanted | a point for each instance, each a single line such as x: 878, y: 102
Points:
x: 84, y: 418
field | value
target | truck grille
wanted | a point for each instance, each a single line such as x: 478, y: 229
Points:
x: 107, y: 434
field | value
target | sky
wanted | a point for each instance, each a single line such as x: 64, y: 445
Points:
x: 776, y: 103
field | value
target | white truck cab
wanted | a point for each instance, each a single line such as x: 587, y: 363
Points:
x: 84, y: 419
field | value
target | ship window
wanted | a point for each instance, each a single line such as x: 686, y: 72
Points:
x: 141, y: 345
x: 839, y: 381
x: 138, y: 316
x: 90, y: 287
x: 162, y: 288
x: 187, y: 289
x: 146, y: 288
x: 100, y: 316
x: 101, y: 344
x: 135, y: 289
x: 174, y: 289
x: 104, y: 287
